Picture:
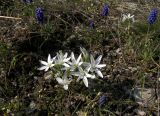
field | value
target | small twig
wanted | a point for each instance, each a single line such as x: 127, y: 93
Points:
x: 6, y: 17
x: 155, y: 63
x: 158, y: 92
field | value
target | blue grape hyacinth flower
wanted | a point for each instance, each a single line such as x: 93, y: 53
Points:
x: 102, y: 100
x: 39, y: 15
x: 27, y: 1
x: 92, y: 24
x: 152, y: 16
x: 105, y: 10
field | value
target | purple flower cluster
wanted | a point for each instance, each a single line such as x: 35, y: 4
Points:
x: 92, y: 25
x: 102, y: 100
x: 27, y: 1
x: 105, y: 11
x: 152, y: 16
x: 39, y: 15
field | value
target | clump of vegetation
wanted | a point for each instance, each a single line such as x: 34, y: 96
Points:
x: 125, y: 33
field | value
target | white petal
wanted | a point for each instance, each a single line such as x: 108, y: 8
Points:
x: 92, y: 60
x: 52, y: 65
x: 93, y: 77
x: 88, y: 68
x: 65, y: 55
x: 53, y: 59
x: 132, y: 16
x: 66, y: 65
x: 99, y: 73
x: 72, y: 57
x: 43, y: 62
x: 98, y: 60
x: 81, y: 70
x: 66, y: 81
x: 70, y: 63
x: 42, y: 68
x: 79, y: 64
x: 123, y: 19
x: 124, y: 15
x: 85, y: 81
x: 59, y: 80
x: 78, y: 79
x: 49, y: 58
x: 100, y: 65
x: 88, y: 75
x: 66, y: 60
x: 133, y: 19
x: 76, y: 73
x: 65, y: 87
x: 86, y: 64
x: 46, y: 68
x: 78, y: 59
x: 84, y: 51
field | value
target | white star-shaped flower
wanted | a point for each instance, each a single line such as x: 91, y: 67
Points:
x: 64, y: 81
x: 75, y: 63
x: 48, y: 64
x: 62, y: 59
x: 127, y: 17
x: 94, y: 66
x: 83, y: 74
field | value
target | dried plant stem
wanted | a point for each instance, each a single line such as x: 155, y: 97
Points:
x: 158, y: 114
x: 6, y: 17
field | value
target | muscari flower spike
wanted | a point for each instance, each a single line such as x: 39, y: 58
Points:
x: 102, y: 100
x: 105, y: 10
x: 152, y: 16
x: 154, y: 0
x: 92, y: 24
x: 39, y: 15
x: 27, y: 1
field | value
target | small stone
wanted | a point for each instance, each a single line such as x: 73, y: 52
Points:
x: 8, y: 111
x: 141, y: 113
x: 32, y: 105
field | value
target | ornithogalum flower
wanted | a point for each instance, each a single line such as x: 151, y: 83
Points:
x: 94, y: 66
x: 62, y: 59
x: 64, y: 81
x: 102, y: 100
x: 39, y: 15
x: 152, y: 16
x: 105, y: 10
x: 48, y: 64
x: 75, y: 63
x: 83, y: 74
x: 128, y: 17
